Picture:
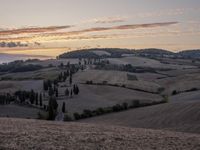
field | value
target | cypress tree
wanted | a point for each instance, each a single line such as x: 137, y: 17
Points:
x: 36, y: 98
x: 52, y: 108
x: 45, y: 85
x: 63, y: 107
x: 71, y: 93
x: 74, y: 89
x: 51, y: 92
x: 70, y: 80
x: 32, y: 97
x: 49, y: 83
x: 40, y: 99
x: 66, y: 92
x: 56, y: 92
x: 77, y: 89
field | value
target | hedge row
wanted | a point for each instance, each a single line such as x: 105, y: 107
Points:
x: 90, y: 82
x: 106, y: 110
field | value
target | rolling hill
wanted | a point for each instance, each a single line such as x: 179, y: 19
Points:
x: 182, y: 116
x: 118, y: 53
x: 95, y: 53
x: 190, y: 53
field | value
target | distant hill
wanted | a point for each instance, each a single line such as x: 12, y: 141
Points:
x: 117, y: 53
x: 92, y: 53
x: 6, y: 58
x: 113, y: 53
x: 190, y: 53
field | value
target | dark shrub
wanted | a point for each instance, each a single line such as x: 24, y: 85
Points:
x: 67, y: 118
x: 125, y: 106
x: 165, y: 99
x: 108, y: 109
x: 100, y: 111
x: 123, y: 85
x: 174, y: 92
x: 89, y: 82
x: 87, y: 113
x: 136, y: 103
x: 83, y: 116
x: 104, y: 82
x: 45, y: 107
x: 193, y: 89
x: 160, y: 90
x: 77, y: 116
x: 41, y: 116
x: 117, y: 108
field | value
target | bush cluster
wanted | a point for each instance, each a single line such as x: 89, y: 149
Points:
x: 89, y: 82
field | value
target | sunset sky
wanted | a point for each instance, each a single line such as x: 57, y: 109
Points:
x: 51, y: 27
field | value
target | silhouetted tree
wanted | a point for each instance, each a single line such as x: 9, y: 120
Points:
x: 71, y: 93
x: 49, y: 83
x: 60, y: 76
x: 55, y: 82
x: 64, y: 77
x: 45, y: 85
x: 32, y: 97
x: 51, y: 92
x: 70, y: 79
x: 61, y: 65
x: 75, y: 89
x: 52, y: 108
x: 67, y: 92
x: 56, y: 92
x: 40, y: 99
x: 63, y: 107
x: 36, y: 98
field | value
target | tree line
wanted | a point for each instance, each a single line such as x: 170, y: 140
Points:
x: 31, y: 97
x: 6, y: 99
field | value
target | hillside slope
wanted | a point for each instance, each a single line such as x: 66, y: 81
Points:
x: 35, y: 134
x: 183, y: 116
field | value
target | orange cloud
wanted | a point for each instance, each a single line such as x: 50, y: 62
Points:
x: 122, y: 27
x: 32, y: 30
x: 72, y: 35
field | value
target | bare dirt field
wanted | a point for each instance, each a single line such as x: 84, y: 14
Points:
x: 180, y: 83
x: 117, y: 77
x: 34, y: 134
x: 184, y: 116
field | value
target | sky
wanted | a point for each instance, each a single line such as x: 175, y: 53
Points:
x: 51, y: 27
